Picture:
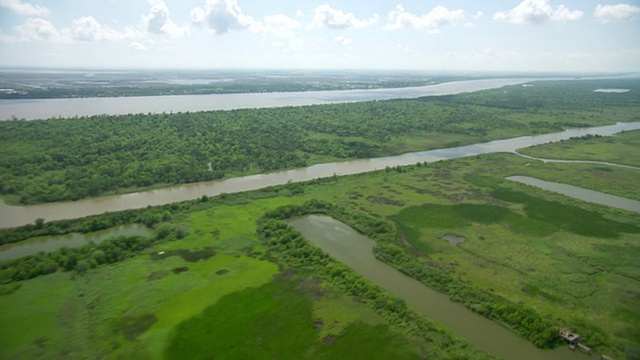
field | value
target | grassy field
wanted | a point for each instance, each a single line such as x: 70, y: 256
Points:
x: 619, y: 149
x: 574, y: 262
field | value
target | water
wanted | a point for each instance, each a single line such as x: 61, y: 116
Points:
x: 355, y: 250
x: 11, y: 216
x: 51, y: 243
x: 48, y: 108
x: 581, y: 193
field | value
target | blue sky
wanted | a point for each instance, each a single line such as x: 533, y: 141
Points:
x: 504, y: 35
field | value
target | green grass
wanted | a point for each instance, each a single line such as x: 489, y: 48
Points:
x: 276, y: 321
x: 574, y: 262
x: 620, y: 149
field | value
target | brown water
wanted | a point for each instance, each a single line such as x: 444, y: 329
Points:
x: 580, y: 193
x: 51, y: 243
x: 48, y: 108
x: 355, y: 250
x: 11, y: 216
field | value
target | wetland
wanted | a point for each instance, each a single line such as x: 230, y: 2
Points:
x: 531, y: 261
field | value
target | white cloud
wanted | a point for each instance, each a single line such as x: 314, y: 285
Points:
x: 289, y: 47
x: 619, y: 12
x: 158, y: 21
x: 469, y: 25
x: 221, y: 16
x: 327, y: 17
x: 400, y: 18
x: 88, y: 28
x: 25, y: 9
x: 36, y: 29
x: 138, y: 46
x: 299, y: 13
x: 342, y: 40
x: 478, y: 15
x: 537, y: 12
x: 279, y: 25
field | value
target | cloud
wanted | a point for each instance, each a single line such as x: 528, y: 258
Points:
x: 399, y: 18
x: 36, y: 29
x: 25, y: 9
x: 158, y: 21
x: 88, y: 28
x: 478, y: 15
x: 279, y: 25
x: 222, y: 16
x: 537, y: 12
x: 342, y: 40
x: 327, y: 17
x: 620, y: 12
x: 138, y: 46
x: 468, y: 25
x: 83, y: 29
x: 299, y: 13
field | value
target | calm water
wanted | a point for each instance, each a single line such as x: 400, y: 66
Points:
x: 355, y: 250
x: 581, y: 193
x: 11, y: 216
x: 51, y: 243
x: 47, y: 108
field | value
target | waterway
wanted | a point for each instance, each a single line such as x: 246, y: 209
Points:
x: 356, y: 251
x: 580, y: 193
x: 50, y: 108
x: 11, y: 216
x: 51, y: 243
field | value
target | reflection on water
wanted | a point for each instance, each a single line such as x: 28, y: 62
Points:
x: 51, y: 243
x: 19, y: 215
x: 355, y: 250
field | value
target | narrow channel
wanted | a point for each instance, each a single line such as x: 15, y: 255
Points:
x: 579, y: 193
x: 356, y: 251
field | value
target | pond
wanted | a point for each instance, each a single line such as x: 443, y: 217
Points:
x: 356, y: 251
x: 51, y: 243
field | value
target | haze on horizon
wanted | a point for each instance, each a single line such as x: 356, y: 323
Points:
x: 458, y: 35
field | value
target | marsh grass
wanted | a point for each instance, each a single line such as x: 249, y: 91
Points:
x: 276, y: 321
x: 574, y: 262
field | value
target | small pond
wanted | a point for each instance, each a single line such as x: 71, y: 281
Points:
x: 51, y: 243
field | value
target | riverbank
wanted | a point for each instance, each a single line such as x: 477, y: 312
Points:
x: 11, y: 216
x: 231, y: 219
x: 53, y: 108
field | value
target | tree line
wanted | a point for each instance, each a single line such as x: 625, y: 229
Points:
x: 293, y: 249
x: 69, y: 159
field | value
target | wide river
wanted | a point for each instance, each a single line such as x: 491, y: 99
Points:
x: 49, y: 108
x: 11, y: 216
x: 355, y: 250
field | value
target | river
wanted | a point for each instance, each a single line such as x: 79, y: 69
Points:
x: 50, y: 108
x: 11, y: 216
x: 355, y: 250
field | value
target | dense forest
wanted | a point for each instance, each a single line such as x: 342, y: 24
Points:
x: 69, y: 159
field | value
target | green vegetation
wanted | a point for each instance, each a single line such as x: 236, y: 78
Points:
x: 70, y: 159
x: 276, y: 321
x: 549, y: 270
x: 532, y: 260
x: 618, y: 149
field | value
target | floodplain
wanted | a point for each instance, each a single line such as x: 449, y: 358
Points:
x: 560, y: 262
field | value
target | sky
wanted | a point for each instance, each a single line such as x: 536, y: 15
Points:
x: 452, y: 35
